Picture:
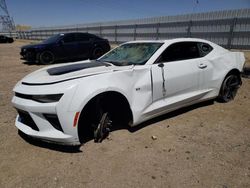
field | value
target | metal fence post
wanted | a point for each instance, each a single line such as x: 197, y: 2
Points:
x: 189, y: 28
x: 116, y: 34
x: 100, y: 31
x: 157, y: 31
x: 135, y: 31
x: 231, y: 33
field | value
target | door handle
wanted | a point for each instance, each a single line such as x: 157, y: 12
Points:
x: 202, y: 66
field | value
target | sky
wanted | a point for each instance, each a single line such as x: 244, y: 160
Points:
x: 42, y: 13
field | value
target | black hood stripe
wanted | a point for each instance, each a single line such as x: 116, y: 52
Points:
x: 50, y: 83
x: 74, y: 67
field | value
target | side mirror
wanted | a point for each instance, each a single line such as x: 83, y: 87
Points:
x: 161, y: 65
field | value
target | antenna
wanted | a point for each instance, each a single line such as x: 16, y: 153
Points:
x: 6, y: 22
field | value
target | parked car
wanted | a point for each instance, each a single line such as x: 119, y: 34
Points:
x: 66, y: 46
x: 131, y: 84
x: 5, y: 39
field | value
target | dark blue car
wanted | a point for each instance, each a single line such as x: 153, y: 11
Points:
x: 66, y: 46
x: 5, y: 39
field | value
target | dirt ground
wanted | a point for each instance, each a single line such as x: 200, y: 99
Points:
x: 205, y: 145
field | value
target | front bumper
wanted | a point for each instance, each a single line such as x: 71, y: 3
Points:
x: 50, y: 135
x: 32, y: 121
x: 29, y: 56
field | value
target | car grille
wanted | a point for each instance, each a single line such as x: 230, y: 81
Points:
x: 28, y: 55
x: 26, y: 119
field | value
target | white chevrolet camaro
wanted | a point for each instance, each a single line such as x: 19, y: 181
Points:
x: 70, y: 103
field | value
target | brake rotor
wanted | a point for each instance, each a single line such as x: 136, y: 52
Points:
x: 103, y: 128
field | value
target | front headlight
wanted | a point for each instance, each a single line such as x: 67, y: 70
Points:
x: 41, y: 98
x: 23, y: 49
x: 47, y: 98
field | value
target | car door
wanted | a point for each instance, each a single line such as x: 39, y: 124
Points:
x: 84, y: 43
x: 206, y: 81
x: 175, y: 75
x: 69, y: 46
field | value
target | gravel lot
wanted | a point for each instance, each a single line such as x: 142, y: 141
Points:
x: 206, y: 145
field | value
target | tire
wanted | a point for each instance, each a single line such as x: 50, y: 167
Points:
x: 97, y: 52
x: 10, y: 41
x: 46, y: 58
x: 229, y: 88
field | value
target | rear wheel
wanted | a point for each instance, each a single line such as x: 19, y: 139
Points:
x: 10, y: 40
x: 229, y: 88
x: 47, y: 57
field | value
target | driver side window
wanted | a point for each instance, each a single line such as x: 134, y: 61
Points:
x: 69, y: 38
x: 180, y: 51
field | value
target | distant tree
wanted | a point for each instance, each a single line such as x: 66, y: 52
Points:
x: 22, y: 27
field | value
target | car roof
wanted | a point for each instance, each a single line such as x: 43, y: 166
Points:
x: 85, y: 33
x: 82, y: 33
x: 217, y: 49
x: 171, y: 40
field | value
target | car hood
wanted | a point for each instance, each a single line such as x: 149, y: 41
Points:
x: 40, y: 45
x: 69, y: 71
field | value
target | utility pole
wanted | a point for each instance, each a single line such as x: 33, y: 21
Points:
x: 6, y: 22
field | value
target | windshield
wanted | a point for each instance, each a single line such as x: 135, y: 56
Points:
x: 131, y: 53
x: 52, y: 39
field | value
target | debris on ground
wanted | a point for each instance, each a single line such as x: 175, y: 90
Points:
x: 154, y: 137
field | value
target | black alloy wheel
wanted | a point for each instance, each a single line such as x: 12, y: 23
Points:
x: 47, y: 58
x: 229, y: 88
x: 97, y: 52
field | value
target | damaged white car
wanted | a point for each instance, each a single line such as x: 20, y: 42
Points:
x: 132, y: 83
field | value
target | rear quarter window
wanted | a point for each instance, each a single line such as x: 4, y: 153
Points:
x: 204, y: 48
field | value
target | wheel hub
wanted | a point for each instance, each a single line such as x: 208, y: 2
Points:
x: 103, y: 128
x: 231, y: 87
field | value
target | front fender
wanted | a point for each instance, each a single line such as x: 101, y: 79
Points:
x: 92, y: 86
x: 134, y: 85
